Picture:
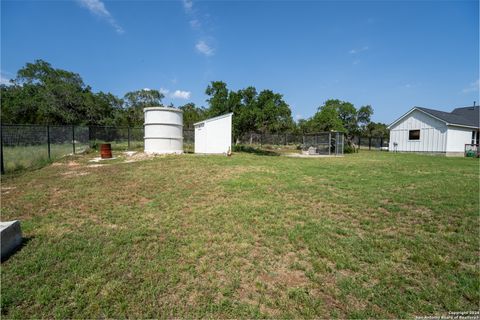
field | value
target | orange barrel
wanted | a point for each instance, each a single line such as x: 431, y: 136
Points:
x: 106, y: 151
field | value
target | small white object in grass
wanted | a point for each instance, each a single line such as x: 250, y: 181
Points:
x: 130, y: 153
x: 98, y: 159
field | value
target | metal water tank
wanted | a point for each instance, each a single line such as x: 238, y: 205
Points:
x: 163, y: 130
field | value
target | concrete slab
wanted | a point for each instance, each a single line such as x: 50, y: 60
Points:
x: 10, y: 237
x: 302, y: 155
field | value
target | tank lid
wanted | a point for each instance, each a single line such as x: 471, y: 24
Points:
x: 162, y: 109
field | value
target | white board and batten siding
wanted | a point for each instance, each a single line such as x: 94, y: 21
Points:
x: 214, y: 136
x: 457, y: 138
x: 433, y: 134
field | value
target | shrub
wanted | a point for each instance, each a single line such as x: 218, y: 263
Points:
x: 348, y: 149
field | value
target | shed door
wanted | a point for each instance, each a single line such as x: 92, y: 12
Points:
x: 200, y: 138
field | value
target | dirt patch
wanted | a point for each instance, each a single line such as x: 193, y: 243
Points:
x: 285, y: 277
x: 139, y: 156
x: 70, y: 174
x: 95, y: 165
x: 57, y: 164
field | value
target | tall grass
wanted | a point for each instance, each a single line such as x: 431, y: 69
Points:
x: 32, y: 157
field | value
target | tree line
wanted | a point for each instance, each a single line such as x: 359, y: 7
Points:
x: 42, y: 94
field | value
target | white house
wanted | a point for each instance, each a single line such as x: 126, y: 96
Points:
x: 214, y: 135
x: 434, y: 131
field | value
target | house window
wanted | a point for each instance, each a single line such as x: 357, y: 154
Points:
x: 414, y: 135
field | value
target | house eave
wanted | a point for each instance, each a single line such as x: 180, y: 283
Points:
x: 462, y: 125
x: 410, y: 111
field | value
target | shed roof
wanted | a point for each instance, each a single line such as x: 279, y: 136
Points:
x: 213, y: 119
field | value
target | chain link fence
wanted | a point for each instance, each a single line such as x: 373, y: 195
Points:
x: 32, y: 146
x: 371, y: 143
x: 276, y: 139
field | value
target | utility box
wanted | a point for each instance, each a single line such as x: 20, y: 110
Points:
x: 214, y: 135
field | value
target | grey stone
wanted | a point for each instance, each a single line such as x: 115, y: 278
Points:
x: 312, y: 150
x: 10, y: 237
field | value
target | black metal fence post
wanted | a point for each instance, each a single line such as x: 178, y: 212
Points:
x: 73, y: 138
x: 2, y: 169
x: 128, y: 137
x: 48, y: 142
x: 369, y: 143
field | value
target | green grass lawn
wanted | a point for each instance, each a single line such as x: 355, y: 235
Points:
x: 366, y: 235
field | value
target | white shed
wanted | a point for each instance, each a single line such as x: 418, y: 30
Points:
x: 434, y: 131
x: 214, y: 135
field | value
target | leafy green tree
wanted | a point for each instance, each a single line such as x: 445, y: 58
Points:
x: 302, y: 126
x: 340, y: 115
x: 224, y: 101
x: 41, y: 94
x: 53, y: 96
x: 192, y: 114
x: 264, y: 112
x: 326, y: 119
x: 106, y: 109
x: 136, y: 101
x: 273, y: 114
x: 218, y: 101
x: 376, y: 130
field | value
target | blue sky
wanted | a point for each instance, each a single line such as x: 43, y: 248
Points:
x: 390, y: 54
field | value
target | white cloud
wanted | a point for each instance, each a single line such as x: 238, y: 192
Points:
x: 204, y: 48
x: 98, y: 8
x: 177, y: 94
x: 146, y: 89
x: 4, y: 80
x: 199, y: 23
x: 358, y: 50
x: 187, y: 5
x: 298, y: 117
x: 473, y: 87
x: 164, y: 91
x: 180, y: 94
